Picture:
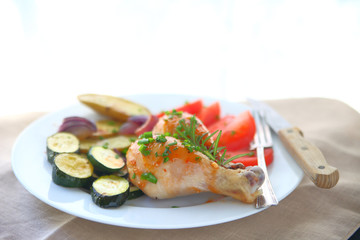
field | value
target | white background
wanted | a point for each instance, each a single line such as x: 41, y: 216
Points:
x: 52, y: 51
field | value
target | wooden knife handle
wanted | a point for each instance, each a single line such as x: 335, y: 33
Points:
x: 310, y: 158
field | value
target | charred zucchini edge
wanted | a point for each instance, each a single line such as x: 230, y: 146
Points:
x: 65, y: 177
x: 110, y: 197
x: 105, y: 160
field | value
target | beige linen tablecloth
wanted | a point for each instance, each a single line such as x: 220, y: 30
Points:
x: 307, y: 213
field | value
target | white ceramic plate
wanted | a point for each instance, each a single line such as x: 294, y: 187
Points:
x: 34, y: 172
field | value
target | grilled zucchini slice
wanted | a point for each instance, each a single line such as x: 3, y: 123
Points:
x: 61, y: 142
x: 135, y: 192
x: 72, y: 170
x: 110, y: 191
x: 105, y: 160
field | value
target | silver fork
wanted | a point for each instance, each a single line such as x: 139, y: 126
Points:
x: 262, y: 140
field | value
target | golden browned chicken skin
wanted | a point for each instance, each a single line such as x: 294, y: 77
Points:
x: 180, y: 172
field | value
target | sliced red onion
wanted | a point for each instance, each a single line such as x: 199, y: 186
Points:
x: 81, y: 119
x: 80, y: 127
x: 139, y: 119
x: 128, y: 128
x: 148, y: 125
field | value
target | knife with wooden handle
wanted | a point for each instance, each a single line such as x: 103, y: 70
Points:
x: 306, y: 154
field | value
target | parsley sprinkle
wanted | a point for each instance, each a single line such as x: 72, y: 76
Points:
x: 193, y: 142
x: 143, y: 150
x: 134, y: 176
x: 172, y: 144
x: 148, y: 176
x: 106, y: 145
x: 143, y: 141
x: 166, y: 159
x: 146, y: 135
x: 161, y: 138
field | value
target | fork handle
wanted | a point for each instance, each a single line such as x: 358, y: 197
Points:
x: 309, y: 157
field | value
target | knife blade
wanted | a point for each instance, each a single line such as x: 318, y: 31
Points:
x: 307, y: 155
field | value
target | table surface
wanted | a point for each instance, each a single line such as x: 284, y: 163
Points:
x: 307, y: 213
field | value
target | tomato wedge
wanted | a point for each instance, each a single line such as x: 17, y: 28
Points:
x: 237, y: 132
x: 192, y: 107
x: 221, y: 124
x: 210, y: 114
x: 251, y: 160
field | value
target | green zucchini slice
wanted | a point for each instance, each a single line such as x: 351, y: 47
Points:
x: 71, y: 170
x: 135, y: 192
x: 105, y: 160
x: 110, y: 191
x: 61, y: 142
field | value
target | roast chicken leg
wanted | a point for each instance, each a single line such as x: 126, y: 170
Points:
x: 175, y: 171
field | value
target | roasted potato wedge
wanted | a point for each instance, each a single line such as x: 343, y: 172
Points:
x: 107, y: 128
x: 114, y: 107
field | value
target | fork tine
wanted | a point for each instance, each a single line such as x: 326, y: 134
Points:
x: 263, y: 139
x: 263, y: 129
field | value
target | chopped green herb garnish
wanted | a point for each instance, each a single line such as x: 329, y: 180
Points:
x: 173, y: 113
x: 117, y: 156
x: 146, y: 135
x: 134, y: 176
x: 148, y: 176
x: 166, y: 159
x: 143, y: 150
x: 172, y: 144
x: 233, y: 133
x: 193, y: 142
x: 106, y: 145
x: 101, y: 138
x: 143, y: 141
x: 161, y: 138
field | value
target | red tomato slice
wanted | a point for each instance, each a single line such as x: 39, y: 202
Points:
x: 210, y: 114
x: 191, y: 107
x: 238, y: 132
x: 251, y: 160
x: 221, y: 124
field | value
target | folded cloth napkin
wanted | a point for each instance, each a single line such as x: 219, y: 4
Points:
x: 307, y: 213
